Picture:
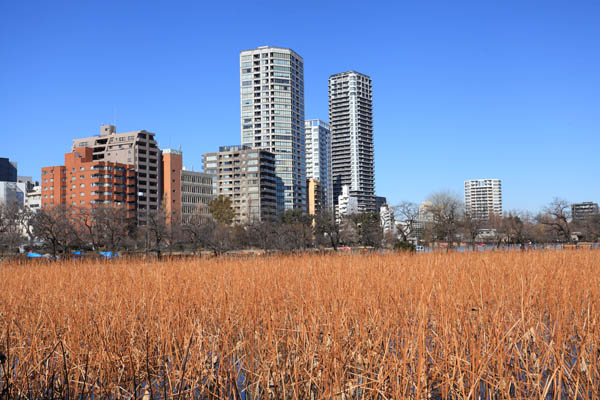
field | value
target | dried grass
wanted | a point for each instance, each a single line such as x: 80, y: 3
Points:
x: 492, y: 325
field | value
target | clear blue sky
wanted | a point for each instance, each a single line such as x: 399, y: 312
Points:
x: 462, y: 90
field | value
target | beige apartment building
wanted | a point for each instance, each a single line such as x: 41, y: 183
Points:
x: 247, y: 176
x: 138, y: 148
x: 315, y: 197
x: 196, y: 193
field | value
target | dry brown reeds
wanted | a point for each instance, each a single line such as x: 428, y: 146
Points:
x: 483, y: 325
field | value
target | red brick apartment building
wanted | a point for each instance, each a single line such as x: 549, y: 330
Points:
x: 83, y: 182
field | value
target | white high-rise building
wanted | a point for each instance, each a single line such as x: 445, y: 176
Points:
x: 272, y: 116
x: 483, y: 197
x: 318, y: 158
x: 351, y: 121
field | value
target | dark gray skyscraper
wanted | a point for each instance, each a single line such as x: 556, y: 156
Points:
x: 351, y: 121
x: 8, y: 170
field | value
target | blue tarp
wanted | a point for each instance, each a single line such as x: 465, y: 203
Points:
x: 108, y: 254
x: 34, y: 255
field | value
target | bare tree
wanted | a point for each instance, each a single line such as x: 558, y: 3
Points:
x: 295, y: 230
x: 194, y: 229
x: 368, y: 227
x: 556, y: 217
x: 407, y: 213
x: 84, y: 219
x: 205, y: 232
x: 55, y: 227
x: 261, y: 234
x: 115, y: 226
x: 497, y: 223
x: 11, y: 233
x: 471, y: 228
x: 348, y: 232
x: 588, y: 228
x: 154, y: 232
x: 447, y: 211
x: 327, y: 230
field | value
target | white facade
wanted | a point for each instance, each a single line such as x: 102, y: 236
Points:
x: 318, y: 158
x: 483, y: 197
x: 347, y: 203
x: 272, y: 116
x: 33, y: 199
x: 351, y: 120
x: 387, y: 219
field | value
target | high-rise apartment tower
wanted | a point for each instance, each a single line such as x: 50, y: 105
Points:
x: 351, y: 122
x: 483, y: 197
x: 318, y: 158
x: 272, y: 116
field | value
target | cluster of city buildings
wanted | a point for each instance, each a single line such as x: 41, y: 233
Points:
x: 18, y: 189
x: 283, y: 161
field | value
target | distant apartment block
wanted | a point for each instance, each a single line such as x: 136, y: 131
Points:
x: 483, y: 197
x: 315, y: 197
x: 247, y: 176
x: 33, y: 198
x: 583, y: 211
x: 85, y: 182
x: 386, y: 216
x: 351, y: 121
x: 272, y: 116
x: 137, y: 148
x: 347, y: 204
x: 8, y: 170
x: 185, y: 193
x: 318, y: 158
x: 196, y: 193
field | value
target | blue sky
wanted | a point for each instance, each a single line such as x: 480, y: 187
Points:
x: 462, y: 90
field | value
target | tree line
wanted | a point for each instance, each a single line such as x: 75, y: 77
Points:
x: 446, y: 220
x: 62, y: 229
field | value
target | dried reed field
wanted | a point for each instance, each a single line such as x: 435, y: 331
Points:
x: 481, y: 325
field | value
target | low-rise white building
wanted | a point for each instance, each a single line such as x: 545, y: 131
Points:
x: 33, y: 198
x: 386, y: 215
x: 347, y: 204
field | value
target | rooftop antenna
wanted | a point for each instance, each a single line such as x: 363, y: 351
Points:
x: 114, y: 116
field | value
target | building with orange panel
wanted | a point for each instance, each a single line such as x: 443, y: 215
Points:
x: 185, y: 192
x: 84, y: 182
x: 172, y: 164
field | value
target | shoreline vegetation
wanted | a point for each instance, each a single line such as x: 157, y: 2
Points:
x: 489, y: 325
